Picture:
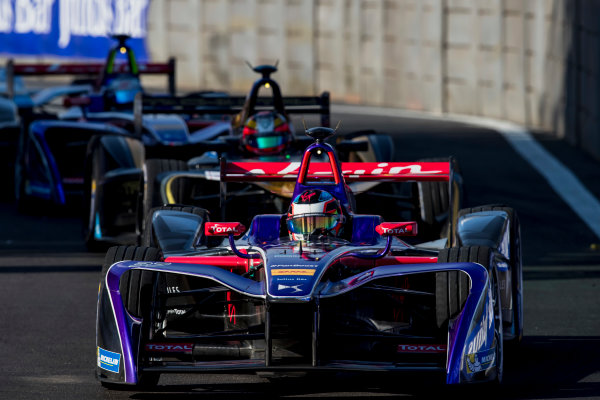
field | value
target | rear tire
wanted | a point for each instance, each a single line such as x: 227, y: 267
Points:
x: 90, y: 200
x: 381, y: 148
x: 136, y: 288
x: 153, y: 169
x: 435, y: 205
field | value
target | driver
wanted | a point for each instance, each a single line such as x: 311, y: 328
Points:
x: 315, y: 213
x: 266, y: 133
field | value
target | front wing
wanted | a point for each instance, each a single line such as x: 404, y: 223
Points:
x: 468, y: 353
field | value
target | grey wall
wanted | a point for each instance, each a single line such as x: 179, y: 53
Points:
x: 534, y: 62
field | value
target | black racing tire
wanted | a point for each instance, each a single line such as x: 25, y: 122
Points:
x: 26, y: 205
x: 149, y: 239
x: 434, y: 204
x: 452, y: 287
x: 381, y: 147
x: 498, y: 329
x: 92, y: 172
x: 516, y: 267
x: 153, y: 169
x: 136, y: 288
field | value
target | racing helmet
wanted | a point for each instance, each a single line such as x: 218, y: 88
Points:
x: 314, y: 212
x: 266, y: 133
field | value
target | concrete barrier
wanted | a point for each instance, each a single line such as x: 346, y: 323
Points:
x: 534, y: 62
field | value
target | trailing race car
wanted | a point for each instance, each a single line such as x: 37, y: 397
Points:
x: 318, y: 288
x: 53, y: 140
x: 212, y: 126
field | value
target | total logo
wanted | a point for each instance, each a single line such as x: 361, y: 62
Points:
x: 422, y: 348
x: 394, y: 231
x: 223, y: 228
x: 397, y: 228
x: 170, y: 347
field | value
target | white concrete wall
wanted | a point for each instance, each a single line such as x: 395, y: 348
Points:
x: 506, y: 59
x: 535, y: 62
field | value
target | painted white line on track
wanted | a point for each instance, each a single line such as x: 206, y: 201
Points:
x: 558, y: 176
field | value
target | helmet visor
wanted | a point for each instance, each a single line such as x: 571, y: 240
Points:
x: 305, y: 224
x: 267, y: 141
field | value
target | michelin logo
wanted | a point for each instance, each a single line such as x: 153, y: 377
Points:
x: 108, y: 360
x: 480, y: 361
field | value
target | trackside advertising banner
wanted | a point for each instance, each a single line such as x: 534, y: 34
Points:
x: 71, y: 28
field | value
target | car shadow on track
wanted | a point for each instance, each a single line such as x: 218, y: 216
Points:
x: 540, y: 368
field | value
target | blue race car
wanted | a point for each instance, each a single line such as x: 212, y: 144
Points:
x: 318, y: 288
x: 57, y: 123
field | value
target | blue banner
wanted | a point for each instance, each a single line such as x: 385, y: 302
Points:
x: 71, y: 28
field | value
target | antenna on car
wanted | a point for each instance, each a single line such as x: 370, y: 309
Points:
x: 338, y: 125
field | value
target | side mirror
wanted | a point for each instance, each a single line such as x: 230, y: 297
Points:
x: 223, y: 228
x: 397, y: 228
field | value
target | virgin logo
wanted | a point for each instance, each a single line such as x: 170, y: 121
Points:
x: 306, y: 196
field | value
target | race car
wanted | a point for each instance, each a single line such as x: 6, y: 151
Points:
x: 318, y: 288
x: 57, y: 123
x: 212, y: 125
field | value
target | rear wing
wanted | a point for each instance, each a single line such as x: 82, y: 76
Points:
x: 86, y: 69
x: 351, y: 171
x: 215, y: 103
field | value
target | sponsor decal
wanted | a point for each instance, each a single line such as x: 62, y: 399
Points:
x: 480, y: 361
x: 295, y: 288
x: 108, y: 360
x: 362, y: 277
x: 176, y: 311
x: 422, y: 348
x: 397, y: 228
x: 481, y: 337
x: 150, y: 264
x: 295, y: 271
x: 223, y: 228
x: 185, y: 348
x: 323, y: 168
x: 73, y: 28
x: 307, y: 196
x: 290, y: 279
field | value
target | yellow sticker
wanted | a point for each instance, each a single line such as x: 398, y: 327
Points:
x: 302, y: 271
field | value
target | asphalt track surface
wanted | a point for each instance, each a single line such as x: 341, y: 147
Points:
x: 49, y: 285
